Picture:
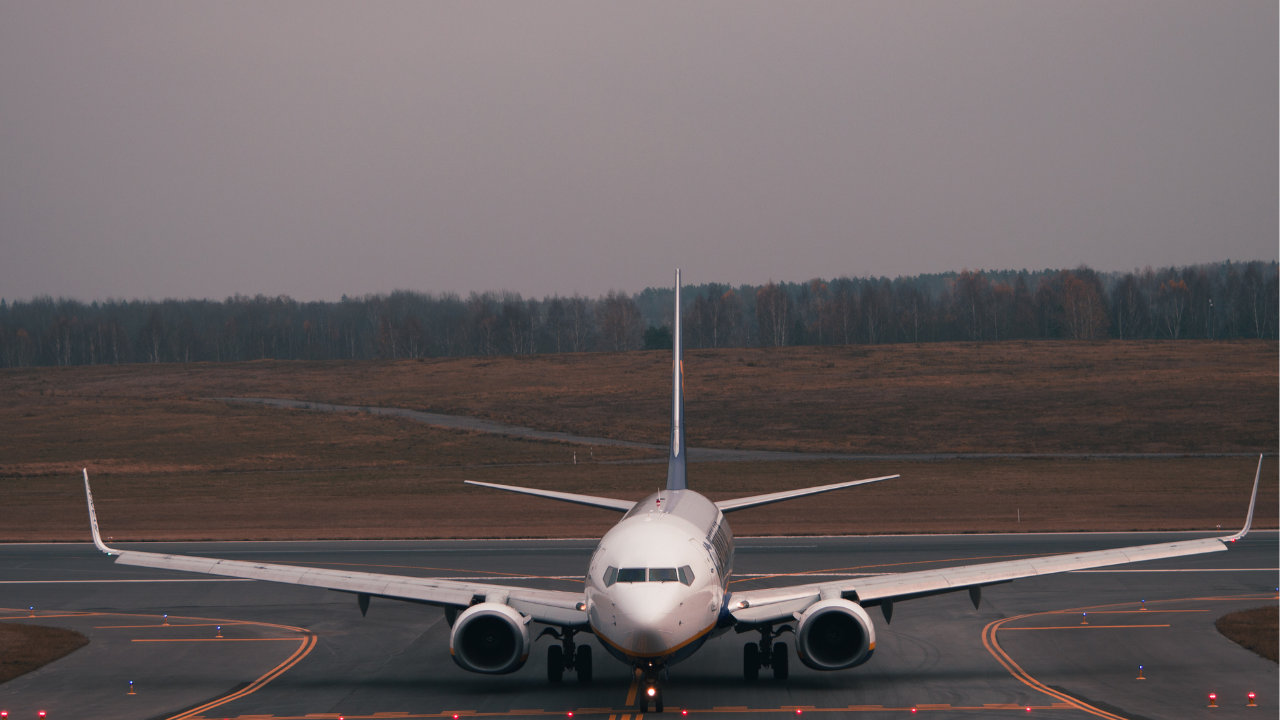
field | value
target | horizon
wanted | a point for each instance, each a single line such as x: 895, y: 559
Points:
x: 1110, y: 275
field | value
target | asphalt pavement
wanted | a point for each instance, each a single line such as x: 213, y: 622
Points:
x: 292, y: 652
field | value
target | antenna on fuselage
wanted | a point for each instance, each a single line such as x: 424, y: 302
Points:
x: 676, y: 478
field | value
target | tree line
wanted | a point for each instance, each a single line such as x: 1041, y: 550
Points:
x: 1215, y: 301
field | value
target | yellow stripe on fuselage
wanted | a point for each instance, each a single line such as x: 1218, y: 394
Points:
x: 668, y: 651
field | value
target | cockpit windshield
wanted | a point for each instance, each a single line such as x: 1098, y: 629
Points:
x: 635, y: 575
x: 631, y: 575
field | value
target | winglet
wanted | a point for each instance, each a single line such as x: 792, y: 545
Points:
x: 93, y: 518
x: 676, y: 465
x: 1248, y: 520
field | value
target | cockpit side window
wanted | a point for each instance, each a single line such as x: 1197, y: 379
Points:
x: 686, y: 575
x: 610, y: 576
x: 631, y: 575
x: 663, y: 575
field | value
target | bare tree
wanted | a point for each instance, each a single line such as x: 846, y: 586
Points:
x: 621, y: 325
x: 1086, y: 318
x: 845, y: 311
x: 1129, y: 307
x: 773, y: 315
x: 1172, y: 299
x: 579, y: 327
x: 972, y: 290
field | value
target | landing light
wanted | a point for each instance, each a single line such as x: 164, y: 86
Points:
x: 652, y: 691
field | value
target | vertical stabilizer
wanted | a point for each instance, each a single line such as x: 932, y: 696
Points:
x: 676, y: 479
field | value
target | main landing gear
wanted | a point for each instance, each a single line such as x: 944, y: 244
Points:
x: 650, y: 691
x: 766, y: 654
x: 567, y: 656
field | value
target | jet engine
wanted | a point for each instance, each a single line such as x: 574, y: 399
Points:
x: 490, y: 638
x: 835, y: 634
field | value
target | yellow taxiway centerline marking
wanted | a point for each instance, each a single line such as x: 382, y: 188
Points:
x: 993, y: 646
x: 175, y: 625
x: 217, y: 640
x: 631, y: 694
x: 1082, y: 627
x: 37, y: 617
x: 1118, y: 612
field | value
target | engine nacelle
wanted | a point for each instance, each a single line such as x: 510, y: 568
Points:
x: 490, y: 638
x: 835, y: 634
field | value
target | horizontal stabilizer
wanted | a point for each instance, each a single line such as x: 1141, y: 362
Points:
x: 588, y: 500
x: 756, y: 500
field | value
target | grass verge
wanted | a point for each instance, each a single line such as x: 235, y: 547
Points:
x: 24, y: 648
x: 959, y: 496
x: 1256, y: 629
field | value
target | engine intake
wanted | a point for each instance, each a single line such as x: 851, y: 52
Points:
x: 835, y: 634
x: 490, y: 638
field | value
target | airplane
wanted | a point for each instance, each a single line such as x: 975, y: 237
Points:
x: 656, y: 587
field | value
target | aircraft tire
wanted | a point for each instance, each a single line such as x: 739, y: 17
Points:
x: 751, y: 662
x: 582, y: 662
x: 555, y: 664
x: 780, y: 669
x: 657, y: 701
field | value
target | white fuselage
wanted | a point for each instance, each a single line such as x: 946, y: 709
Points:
x: 655, y: 587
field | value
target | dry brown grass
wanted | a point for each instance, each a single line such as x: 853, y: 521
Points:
x: 138, y: 435
x: 955, y: 496
x: 170, y: 465
x: 1256, y: 630
x: 24, y: 648
x: 1186, y: 396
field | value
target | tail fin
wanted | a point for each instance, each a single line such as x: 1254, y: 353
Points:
x: 676, y: 478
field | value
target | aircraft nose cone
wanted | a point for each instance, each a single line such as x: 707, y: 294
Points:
x: 645, y: 608
x: 648, y: 610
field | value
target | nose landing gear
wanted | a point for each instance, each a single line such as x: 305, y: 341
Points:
x: 567, y: 656
x: 766, y: 654
x: 650, y: 691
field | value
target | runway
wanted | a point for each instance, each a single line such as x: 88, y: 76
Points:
x: 291, y: 652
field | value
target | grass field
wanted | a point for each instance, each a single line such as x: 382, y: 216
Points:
x: 170, y: 464
x: 24, y: 648
x: 1257, y: 629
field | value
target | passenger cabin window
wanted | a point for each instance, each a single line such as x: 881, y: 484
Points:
x: 663, y: 575
x: 686, y: 575
x: 631, y: 575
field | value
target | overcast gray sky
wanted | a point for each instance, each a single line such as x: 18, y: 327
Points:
x: 199, y: 149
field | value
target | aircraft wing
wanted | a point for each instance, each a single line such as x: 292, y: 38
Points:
x: 547, y: 606
x: 752, y: 607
